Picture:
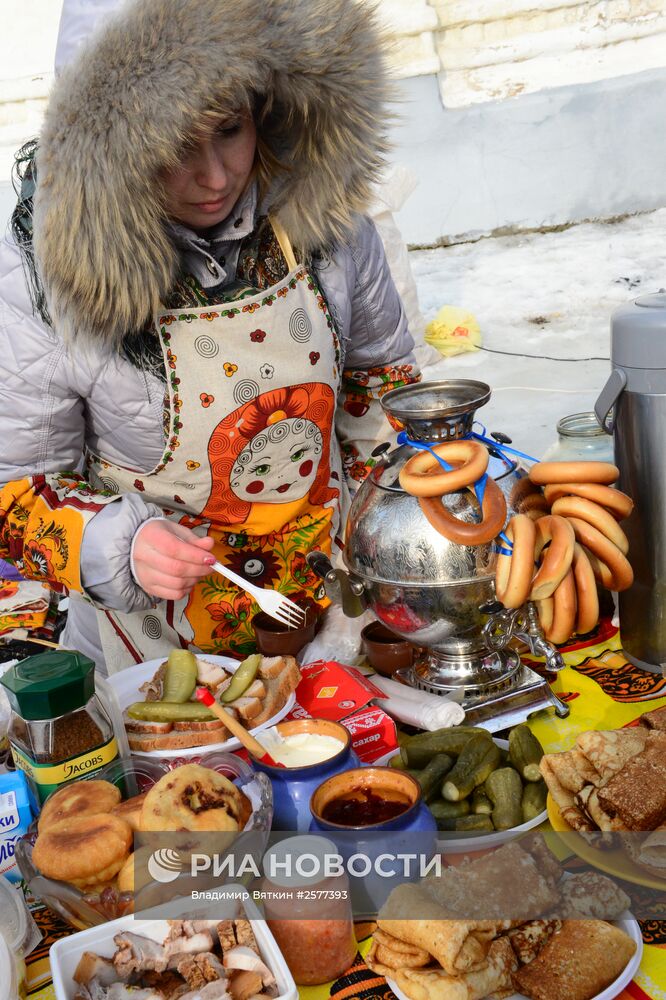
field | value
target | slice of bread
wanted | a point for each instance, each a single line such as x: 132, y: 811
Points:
x: 272, y: 666
x: 145, y: 742
x: 247, y: 708
x: 202, y: 726
x: 143, y: 726
x: 279, y: 686
x: 256, y: 689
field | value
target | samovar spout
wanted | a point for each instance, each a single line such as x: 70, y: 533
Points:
x: 522, y: 623
x: 341, y: 587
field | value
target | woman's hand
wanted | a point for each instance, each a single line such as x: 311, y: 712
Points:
x: 168, y: 559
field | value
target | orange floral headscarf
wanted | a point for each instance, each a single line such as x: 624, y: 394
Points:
x: 313, y: 401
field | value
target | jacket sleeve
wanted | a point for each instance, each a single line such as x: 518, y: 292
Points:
x: 378, y: 354
x: 53, y: 526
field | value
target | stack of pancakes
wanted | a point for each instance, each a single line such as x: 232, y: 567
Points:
x: 504, y: 922
x: 615, y: 782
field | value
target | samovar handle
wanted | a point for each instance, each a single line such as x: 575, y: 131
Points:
x: 340, y: 586
x: 320, y: 564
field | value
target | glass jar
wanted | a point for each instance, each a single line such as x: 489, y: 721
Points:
x: 58, y: 730
x: 310, y: 916
x: 580, y: 438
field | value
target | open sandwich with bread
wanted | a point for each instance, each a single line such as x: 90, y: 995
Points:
x: 170, y: 717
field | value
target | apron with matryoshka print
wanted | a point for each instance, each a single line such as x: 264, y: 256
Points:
x: 250, y: 458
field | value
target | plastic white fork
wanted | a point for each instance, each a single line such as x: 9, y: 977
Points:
x: 274, y: 604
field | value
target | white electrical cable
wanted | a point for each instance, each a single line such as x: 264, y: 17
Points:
x: 536, y: 388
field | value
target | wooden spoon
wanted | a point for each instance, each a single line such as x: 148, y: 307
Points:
x: 234, y: 726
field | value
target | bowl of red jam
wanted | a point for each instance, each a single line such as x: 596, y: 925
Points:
x: 370, y: 798
x: 373, y: 815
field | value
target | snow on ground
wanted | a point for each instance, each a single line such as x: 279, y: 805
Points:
x: 542, y: 294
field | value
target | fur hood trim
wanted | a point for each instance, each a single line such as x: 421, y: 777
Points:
x: 121, y: 111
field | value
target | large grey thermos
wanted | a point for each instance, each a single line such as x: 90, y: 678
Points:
x: 632, y: 407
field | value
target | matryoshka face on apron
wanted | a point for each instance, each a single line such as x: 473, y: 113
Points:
x: 279, y: 464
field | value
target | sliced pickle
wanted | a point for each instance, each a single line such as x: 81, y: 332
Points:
x: 180, y: 676
x: 242, y: 679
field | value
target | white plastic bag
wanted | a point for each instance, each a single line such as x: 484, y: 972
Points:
x: 339, y: 638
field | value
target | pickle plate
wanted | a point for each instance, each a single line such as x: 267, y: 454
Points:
x: 126, y: 684
x: 471, y: 843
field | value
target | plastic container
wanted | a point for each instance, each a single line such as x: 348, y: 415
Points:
x: 315, y: 935
x: 580, y: 437
x: 11, y: 986
x: 66, y: 952
x: 18, y: 936
x: 17, y: 808
x: 59, y: 731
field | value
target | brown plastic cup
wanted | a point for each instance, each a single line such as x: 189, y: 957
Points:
x: 276, y: 639
x: 386, y: 652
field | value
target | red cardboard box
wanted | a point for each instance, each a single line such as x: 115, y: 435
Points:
x: 329, y: 690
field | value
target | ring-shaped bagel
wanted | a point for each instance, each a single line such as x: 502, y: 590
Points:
x: 556, y: 533
x: 587, y: 598
x: 523, y: 487
x: 588, y: 510
x: 617, y: 502
x: 602, y: 574
x: 493, y: 516
x: 619, y: 567
x: 423, y: 476
x: 534, y: 501
x: 514, y: 572
x: 535, y: 513
x: 564, y: 610
x: 545, y: 610
x: 544, y: 473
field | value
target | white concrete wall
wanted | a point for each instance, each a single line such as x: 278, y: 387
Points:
x: 562, y: 155
x: 513, y: 114
x: 494, y: 49
x: 503, y: 48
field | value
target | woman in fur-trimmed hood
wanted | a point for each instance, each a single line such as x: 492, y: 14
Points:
x: 204, y: 318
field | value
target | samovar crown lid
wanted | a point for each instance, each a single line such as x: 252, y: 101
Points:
x: 437, y: 411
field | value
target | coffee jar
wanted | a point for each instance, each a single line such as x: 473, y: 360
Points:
x: 59, y: 730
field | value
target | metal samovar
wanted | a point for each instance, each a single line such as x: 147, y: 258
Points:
x: 437, y: 594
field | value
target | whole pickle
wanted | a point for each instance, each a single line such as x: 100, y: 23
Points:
x: 431, y: 776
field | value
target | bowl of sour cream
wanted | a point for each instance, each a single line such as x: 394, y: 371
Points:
x: 309, y: 750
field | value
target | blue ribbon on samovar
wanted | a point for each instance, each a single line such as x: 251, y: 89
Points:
x: 480, y: 485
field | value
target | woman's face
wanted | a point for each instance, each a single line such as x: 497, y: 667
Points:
x: 212, y: 174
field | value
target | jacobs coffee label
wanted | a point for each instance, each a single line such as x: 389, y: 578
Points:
x: 47, y: 777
